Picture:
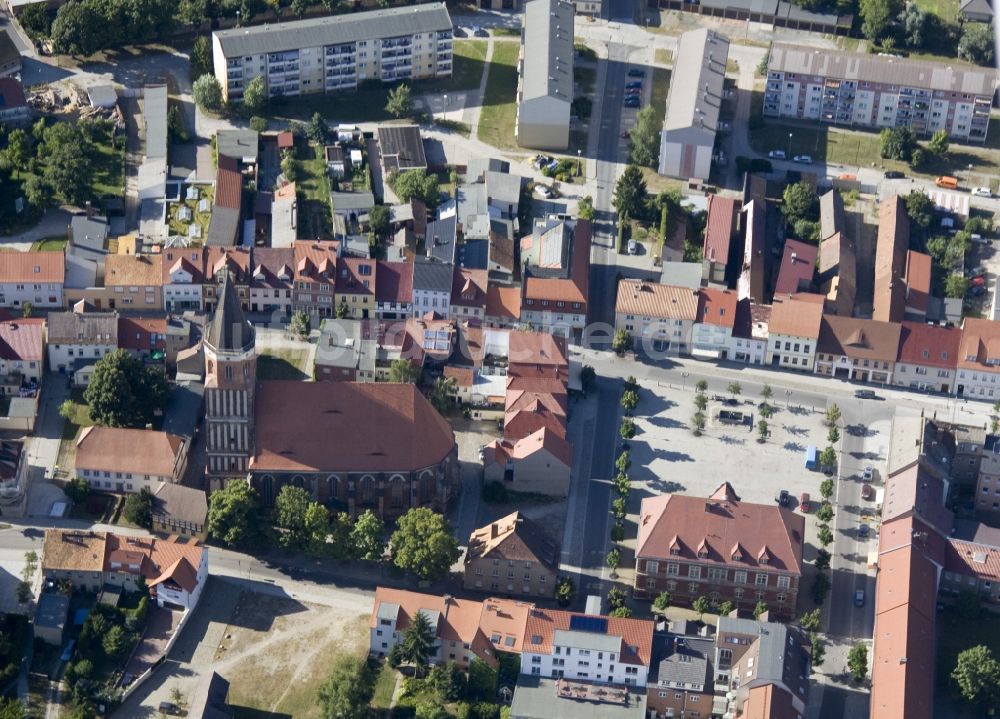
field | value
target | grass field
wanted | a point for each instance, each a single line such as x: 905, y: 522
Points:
x: 283, y: 364
x: 77, y: 420
x: 385, y: 685
x: 314, y: 184
x: 499, y: 112
x: 49, y: 244
x: 947, y: 10
x: 661, y: 85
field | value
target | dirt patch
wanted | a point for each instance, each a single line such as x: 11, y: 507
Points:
x: 277, y: 652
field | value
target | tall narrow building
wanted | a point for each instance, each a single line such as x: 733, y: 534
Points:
x: 230, y: 378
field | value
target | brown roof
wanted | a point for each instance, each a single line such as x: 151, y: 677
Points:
x: 181, y: 504
x: 536, y: 354
x: 577, y: 287
x: 21, y: 339
x: 142, y: 333
x: 972, y: 559
x: 734, y: 533
x: 133, y: 270
x: 718, y: 307
x: 722, y: 214
x: 356, y: 276
x: 32, y: 267
x: 514, y: 537
x: 189, y: 259
x: 831, y: 214
x: 638, y: 297
x: 68, y: 549
x: 316, y: 261
x: 796, y: 317
x: 162, y: 559
x: 503, y: 302
x: 395, y: 282
x: 139, y: 451
x: 501, y: 250
x: 929, y: 345
x: 636, y: 634
x: 235, y: 259
x: 890, y: 260
x: 228, y: 183
x: 838, y: 269
x: 769, y: 701
x: 915, y: 491
x: 918, y: 280
x: 752, y: 278
x: 380, y: 427
x: 468, y: 287
x: 859, y: 338
x: 270, y: 263
x: 797, y: 266
x: 980, y: 348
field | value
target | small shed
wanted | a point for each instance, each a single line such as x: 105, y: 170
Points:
x: 103, y: 96
x: 50, y: 618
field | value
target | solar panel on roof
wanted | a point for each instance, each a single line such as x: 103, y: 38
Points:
x: 598, y: 625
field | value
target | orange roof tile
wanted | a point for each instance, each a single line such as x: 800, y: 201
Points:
x: 918, y: 280
x: 636, y: 634
x: 796, y: 317
x: 503, y: 302
x: 890, y: 260
x: 718, y: 307
x: 32, y: 267
x: 648, y: 299
x: 929, y: 345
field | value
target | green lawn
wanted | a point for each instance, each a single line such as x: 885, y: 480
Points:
x: 314, y: 184
x: 179, y: 226
x: 77, y: 420
x: 385, y: 685
x: 49, y: 244
x: 661, y: 85
x: 283, y: 364
x: 496, y: 121
x: 947, y: 10
x: 109, y: 164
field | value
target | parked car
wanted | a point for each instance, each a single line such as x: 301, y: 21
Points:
x: 477, y: 31
x: 803, y: 159
x: 894, y: 175
x: 776, y: 154
x: 977, y: 271
x: 947, y: 182
x: 633, y: 247
x: 859, y: 598
x: 634, y: 85
x: 863, y: 530
x: 982, y: 192
x: 632, y: 101
x: 68, y: 651
x: 867, y: 492
x: 637, y: 72
x: 977, y: 281
x: 170, y: 708
x: 804, y: 502
x: 543, y: 191
x: 633, y: 91
x: 864, y: 394
x: 978, y: 239
x: 977, y: 291
x: 783, y: 498
x: 868, y: 473
x: 626, y: 134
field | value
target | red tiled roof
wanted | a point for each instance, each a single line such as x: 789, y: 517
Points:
x: 890, y: 260
x: 163, y: 559
x: 468, y: 287
x: 797, y: 266
x: 32, y: 267
x: 228, y: 183
x: 636, y: 634
x: 918, y: 280
x: 136, y: 333
x: 503, y: 302
x: 717, y: 307
x: 536, y: 354
x: 719, y: 524
x: 395, y: 282
x: 722, y: 214
x: 577, y: 287
x: 796, y: 317
x: 352, y: 278
x: 973, y: 560
x: 929, y: 345
x: 650, y: 299
x: 980, y: 348
x: 316, y: 261
x: 21, y: 339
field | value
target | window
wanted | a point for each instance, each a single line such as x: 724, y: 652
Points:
x: 652, y: 567
x: 673, y: 569
x: 740, y: 577
x: 694, y: 572
x: 784, y: 582
x: 761, y: 580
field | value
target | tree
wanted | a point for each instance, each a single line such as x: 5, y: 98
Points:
x: 762, y: 430
x: 232, y: 514
x: 207, y: 93
x: 826, y: 488
x: 810, y: 620
x: 627, y: 429
x: 620, y: 612
x: 825, y: 536
x: 623, y: 463
x: 368, y: 537
x: 828, y: 457
x: 565, y: 591
x: 700, y: 605
x: 875, y: 15
x: 832, y: 415
x: 857, y: 661
x: 347, y: 691
x: 378, y: 219
x: 423, y: 543
x: 300, y: 325
x: 630, y: 399
x: 918, y: 157
x: 77, y: 30
x: 759, y: 609
x: 69, y: 166
x: 766, y: 392
x: 201, y: 57
x: 115, y: 642
x: 402, y: 371
x: 825, y: 513
x: 255, y: 95
x: 441, y: 393
x: 977, y: 673
x: 662, y: 601
x: 291, y: 509
x: 11, y: 708
x: 897, y: 143
x: 700, y: 402
x: 259, y: 124
x: 418, y: 184
x: 821, y: 586
x: 139, y: 508
x: 630, y: 192
x: 77, y: 489
x: 645, y: 137
x: 124, y: 392
x: 448, y: 680
x: 698, y: 420
x: 18, y: 152
x: 317, y: 129
x: 956, y: 286
x: 37, y: 191
x: 34, y: 19
x: 622, y: 341
x: 800, y: 202
x: 833, y: 435
x: 915, y: 22
x: 976, y: 44
x: 701, y: 386
x: 418, y: 642
x: 939, y: 142
x: 585, y: 208
x: 735, y: 389
x: 613, y: 559
x: 399, y: 102
x: 616, y: 597
x: 818, y: 650
x: 919, y: 208
x: 588, y: 378
x: 726, y: 608
x: 290, y: 168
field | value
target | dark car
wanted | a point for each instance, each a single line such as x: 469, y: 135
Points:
x: 634, y: 85
x: 863, y: 530
x: 633, y: 91
x: 632, y: 101
x: 783, y: 498
x: 894, y: 175
x: 170, y: 708
x: 636, y: 72
x: 859, y: 598
x: 864, y: 394
x: 867, y: 492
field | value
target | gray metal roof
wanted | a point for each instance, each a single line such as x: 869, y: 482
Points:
x: 502, y: 187
x: 685, y: 661
x: 52, y: 611
x: 229, y: 329
x: 401, y: 148
x: 440, y: 238
x: 478, y: 165
x: 587, y: 640
x: 223, y: 227
x: 831, y: 214
x: 536, y: 698
x: 696, y: 85
x: 238, y: 144
x: 388, y: 610
x: 154, y: 113
x: 8, y: 50
x: 865, y: 69
x: 547, y: 68
x: 432, y: 275
x: 770, y: 663
x: 91, y: 233
x: 334, y: 30
x: 352, y: 201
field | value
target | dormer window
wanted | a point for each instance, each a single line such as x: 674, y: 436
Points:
x: 737, y: 557
x: 675, y: 550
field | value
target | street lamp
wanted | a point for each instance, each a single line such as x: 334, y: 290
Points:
x: 446, y: 106
x: 789, y: 156
x: 237, y: 18
x: 684, y: 376
x: 788, y: 398
x: 579, y: 165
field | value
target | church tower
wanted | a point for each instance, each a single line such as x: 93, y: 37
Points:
x: 230, y: 379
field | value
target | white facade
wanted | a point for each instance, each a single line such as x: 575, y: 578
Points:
x: 750, y: 350
x: 918, y: 377
x: 182, y: 598
x: 425, y: 301
x: 709, y: 340
x: 558, y: 322
x: 977, y: 384
x: 587, y: 656
x: 181, y: 292
x: 108, y: 481
x: 659, y: 332
x: 15, y: 294
x: 791, y: 352
x: 62, y: 356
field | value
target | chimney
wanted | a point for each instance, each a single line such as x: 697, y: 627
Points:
x: 90, y: 210
x: 494, y: 530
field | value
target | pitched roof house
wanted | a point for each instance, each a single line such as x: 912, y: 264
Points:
x: 518, y: 539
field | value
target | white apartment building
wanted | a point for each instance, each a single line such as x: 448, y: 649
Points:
x: 80, y: 338
x: 182, y: 280
x: 32, y: 277
x: 432, y: 282
x: 793, y: 333
x: 336, y: 53
x: 845, y: 88
x: 659, y: 317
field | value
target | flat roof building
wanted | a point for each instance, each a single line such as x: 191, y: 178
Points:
x: 337, y: 52
x: 693, y: 104
x: 545, y: 75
